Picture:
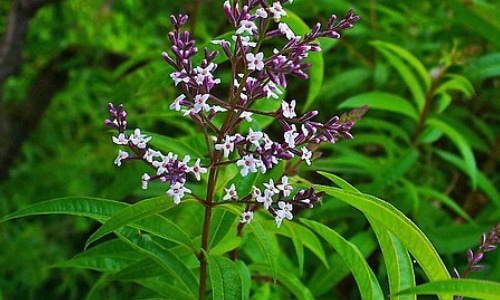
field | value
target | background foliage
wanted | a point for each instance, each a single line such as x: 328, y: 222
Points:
x: 430, y: 145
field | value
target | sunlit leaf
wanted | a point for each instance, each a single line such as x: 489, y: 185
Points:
x: 464, y: 287
x: 225, y: 278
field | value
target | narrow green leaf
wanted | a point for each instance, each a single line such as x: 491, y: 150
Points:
x: 265, y: 245
x: 326, y: 278
x: 369, y: 287
x: 174, y: 145
x: 225, y: 278
x: 142, y: 210
x: 287, y: 279
x: 142, y: 269
x: 165, y: 288
x: 461, y: 144
x: 403, y: 228
x: 477, y: 289
x: 298, y: 244
x: 109, y: 256
x: 397, y: 261
x: 397, y: 57
x: 441, y: 197
x: 484, y: 67
x: 221, y: 224
x: 383, y: 101
x: 340, y: 182
x: 163, y: 257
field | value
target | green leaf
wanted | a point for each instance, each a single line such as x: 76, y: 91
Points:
x: 369, y: 287
x: 477, y: 289
x: 484, y: 67
x: 462, y: 145
x: 399, y: 225
x: 287, y: 279
x: 316, y: 71
x: 177, y: 146
x: 264, y: 244
x: 339, y: 182
x: 163, y: 257
x: 221, y: 224
x: 397, y: 261
x: 382, y: 101
x: 450, y: 203
x: 109, y: 256
x: 142, y: 269
x: 225, y: 278
x: 325, y: 278
x: 141, y: 210
x: 399, y: 58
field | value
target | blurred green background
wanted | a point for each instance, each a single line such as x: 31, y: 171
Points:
x: 110, y: 51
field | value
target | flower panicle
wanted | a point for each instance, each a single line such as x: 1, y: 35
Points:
x: 258, y: 74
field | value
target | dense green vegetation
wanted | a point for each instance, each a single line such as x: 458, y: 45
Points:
x: 429, y: 145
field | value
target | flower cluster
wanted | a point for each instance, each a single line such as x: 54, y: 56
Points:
x: 257, y: 75
x: 487, y: 243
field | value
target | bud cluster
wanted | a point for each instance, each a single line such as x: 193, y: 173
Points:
x: 255, y: 76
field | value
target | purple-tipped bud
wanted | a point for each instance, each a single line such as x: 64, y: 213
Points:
x: 168, y: 59
x: 456, y: 274
x: 331, y: 22
x: 308, y: 116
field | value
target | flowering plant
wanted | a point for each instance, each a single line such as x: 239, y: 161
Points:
x: 240, y: 187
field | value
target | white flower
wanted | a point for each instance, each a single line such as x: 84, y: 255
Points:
x: 290, y: 136
x: 277, y: 11
x: 288, y: 109
x: 286, y: 208
x: 272, y: 90
x: 254, y: 137
x: 227, y: 146
x: 197, y: 169
x: 246, y: 26
x: 306, y: 155
x: 177, y: 191
x: 180, y: 76
x: 145, y: 181
x: 150, y: 154
x: 280, y: 215
x: 255, y: 61
x: 262, y: 13
x: 245, y: 41
x: 255, y: 192
x: 121, y: 139
x: 248, y: 163
x: 271, y: 187
x: 138, y: 139
x: 266, y: 199
x: 220, y: 42
x: 231, y: 193
x: 285, y: 30
x: 268, y: 143
x: 201, y: 73
x: 121, y: 156
x: 285, y: 186
x: 176, y: 105
x: 200, y: 102
x: 246, y: 217
x: 247, y: 116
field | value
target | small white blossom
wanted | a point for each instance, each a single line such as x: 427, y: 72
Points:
x: 197, y: 169
x: 288, y: 109
x: 180, y: 76
x: 271, y: 187
x: 268, y: 143
x: 145, y: 181
x: 121, y: 139
x: 245, y: 41
x: 262, y: 13
x: 200, y: 102
x: 231, y: 193
x: 247, y: 116
x: 177, y: 192
x: 248, y: 163
x: 176, y: 105
x: 246, y: 26
x: 266, y: 199
x: 150, y: 154
x: 277, y: 11
x: 255, y: 61
x: 286, y: 31
x: 255, y: 192
x: 121, y: 156
x: 306, y: 155
x: 246, y: 217
x: 227, y: 146
x: 286, y: 208
x: 202, y: 73
x: 254, y: 137
x: 285, y: 187
x: 220, y: 42
x: 290, y: 136
x: 280, y: 215
x: 272, y: 90
x: 138, y: 139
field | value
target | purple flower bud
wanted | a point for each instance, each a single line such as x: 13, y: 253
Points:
x: 307, y: 116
